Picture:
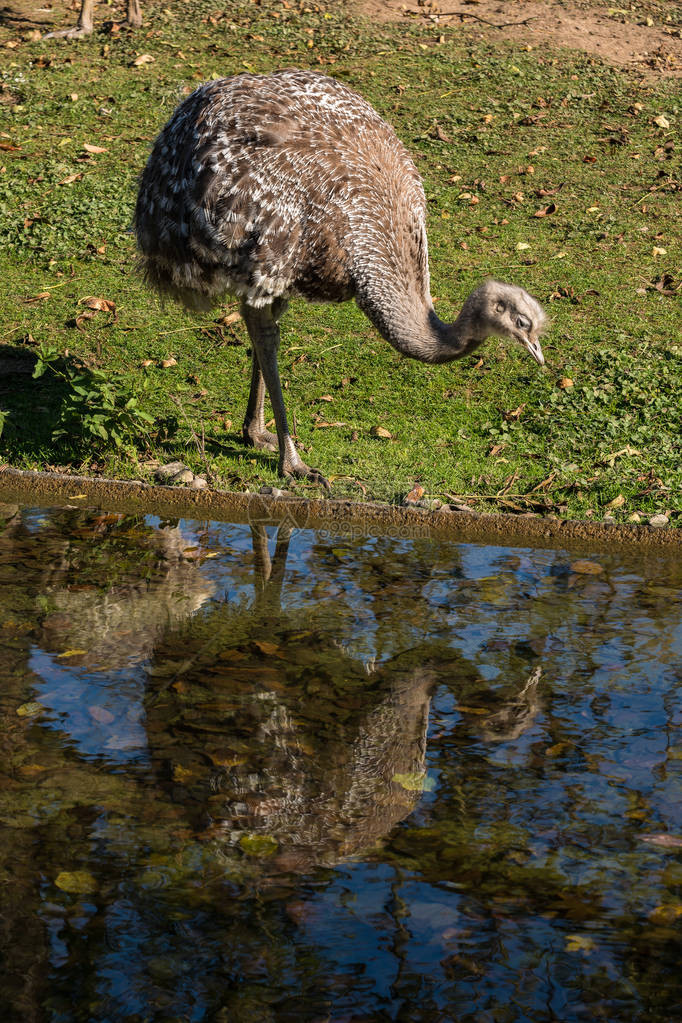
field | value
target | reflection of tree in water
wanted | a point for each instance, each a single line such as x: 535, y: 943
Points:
x: 107, y: 585
x: 118, y: 586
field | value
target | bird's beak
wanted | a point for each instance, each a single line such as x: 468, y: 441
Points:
x: 533, y: 347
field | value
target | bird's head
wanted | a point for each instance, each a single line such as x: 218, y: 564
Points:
x: 505, y: 311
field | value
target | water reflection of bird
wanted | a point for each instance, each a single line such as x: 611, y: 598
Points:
x: 268, y: 186
x: 516, y: 715
x: 288, y: 744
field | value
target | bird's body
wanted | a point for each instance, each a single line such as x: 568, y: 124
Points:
x: 270, y: 186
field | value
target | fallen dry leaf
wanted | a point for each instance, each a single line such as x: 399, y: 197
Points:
x: 663, y: 840
x: 586, y: 568
x: 617, y: 502
x: 662, y: 121
x: 628, y: 451
x: 414, y: 495
x: 438, y: 133
x: 170, y: 361
x: 69, y: 180
x: 144, y: 58
x: 94, y: 149
x: 565, y: 383
x: 82, y: 318
x: 322, y: 424
x: 267, y: 648
x: 515, y: 413
x: 381, y: 431
x: 665, y: 915
x: 104, y: 305
x: 546, y: 211
x: 229, y: 319
x: 101, y: 715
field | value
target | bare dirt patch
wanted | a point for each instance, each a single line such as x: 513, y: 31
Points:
x: 623, y: 38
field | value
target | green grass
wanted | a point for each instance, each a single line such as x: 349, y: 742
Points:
x: 491, y: 126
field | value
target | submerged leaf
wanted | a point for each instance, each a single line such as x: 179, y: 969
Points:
x: 30, y: 709
x: 78, y: 882
x: 259, y: 845
x: 415, y: 781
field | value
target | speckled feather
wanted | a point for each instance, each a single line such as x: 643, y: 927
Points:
x: 267, y: 186
x: 291, y: 184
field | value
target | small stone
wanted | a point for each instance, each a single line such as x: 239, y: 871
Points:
x: 184, y: 476
x: 198, y: 483
x: 165, y: 472
x: 659, y: 521
x: 635, y: 517
x: 609, y: 520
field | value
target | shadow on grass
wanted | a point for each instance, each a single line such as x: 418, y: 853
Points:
x: 32, y: 407
x: 233, y: 446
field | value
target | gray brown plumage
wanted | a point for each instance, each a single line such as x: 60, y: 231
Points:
x: 271, y: 186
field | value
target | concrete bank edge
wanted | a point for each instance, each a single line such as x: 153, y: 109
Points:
x: 337, y: 517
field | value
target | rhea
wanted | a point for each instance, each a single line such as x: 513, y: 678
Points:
x: 291, y: 184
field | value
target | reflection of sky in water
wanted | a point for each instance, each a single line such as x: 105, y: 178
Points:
x: 101, y: 712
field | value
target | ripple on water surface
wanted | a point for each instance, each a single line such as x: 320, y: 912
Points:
x: 259, y: 773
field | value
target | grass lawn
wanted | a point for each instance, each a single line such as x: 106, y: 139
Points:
x: 545, y: 168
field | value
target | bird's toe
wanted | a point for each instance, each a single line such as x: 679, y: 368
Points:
x: 301, y: 471
x: 263, y: 440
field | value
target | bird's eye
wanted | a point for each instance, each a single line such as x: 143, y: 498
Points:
x: 500, y: 307
x: 523, y: 323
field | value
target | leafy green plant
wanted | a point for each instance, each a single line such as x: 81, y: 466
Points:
x: 99, y: 409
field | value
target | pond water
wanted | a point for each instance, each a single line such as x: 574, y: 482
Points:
x: 254, y: 773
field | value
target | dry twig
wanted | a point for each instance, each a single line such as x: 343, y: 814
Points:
x: 476, y: 17
x: 200, y: 444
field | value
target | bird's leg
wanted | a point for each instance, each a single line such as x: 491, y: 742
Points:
x: 83, y: 28
x: 134, y: 15
x: 254, y: 431
x: 269, y: 571
x: 263, y: 330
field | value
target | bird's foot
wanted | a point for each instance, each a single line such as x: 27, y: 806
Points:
x: 300, y: 471
x: 261, y: 439
x: 69, y: 33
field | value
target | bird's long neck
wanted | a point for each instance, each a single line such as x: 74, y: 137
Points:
x: 413, y: 328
